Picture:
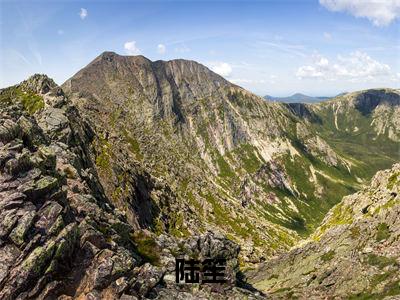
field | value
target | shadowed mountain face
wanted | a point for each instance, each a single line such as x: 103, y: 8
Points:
x: 262, y: 173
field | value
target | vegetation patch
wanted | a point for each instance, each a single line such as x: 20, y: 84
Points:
x: 380, y: 261
x: 382, y: 232
x: 225, y: 170
x: 29, y: 100
x: 147, y: 247
x: 134, y: 146
x: 247, y: 155
x: 341, y: 215
x: 176, y: 225
x: 103, y: 148
x: 328, y: 255
x: 355, y: 232
x: 392, y: 181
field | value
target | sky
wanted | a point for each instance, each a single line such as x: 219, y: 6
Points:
x: 315, y: 47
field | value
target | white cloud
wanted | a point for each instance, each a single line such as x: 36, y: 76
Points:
x: 357, y: 65
x: 83, y: 13
x: 327, y: 36
x: 380, y: 12
x: 161, y: 48
x: 222, y: 68
x: 131, y: 49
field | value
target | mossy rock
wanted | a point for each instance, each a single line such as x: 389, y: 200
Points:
x: 147, y: 247
x: 382, y: 232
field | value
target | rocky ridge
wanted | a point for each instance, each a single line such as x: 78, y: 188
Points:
x: 60, y: 235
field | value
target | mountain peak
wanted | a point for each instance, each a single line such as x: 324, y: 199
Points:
x: 38, y: 83
x: 139, y: 75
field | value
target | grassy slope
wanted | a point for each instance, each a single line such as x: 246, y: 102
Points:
x: 368, y: 151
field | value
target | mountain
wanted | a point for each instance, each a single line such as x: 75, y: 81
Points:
x: 61, y: 237
x: 299, y: 98
x: 131, y: 163
x: 354, y: 254
x: 263, y: 174
x: 296, y: 98
x: 364, y: 126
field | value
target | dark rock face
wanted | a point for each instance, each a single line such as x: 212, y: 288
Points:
x: 368, y: 101
x: 60, y: 236
x: 302, y: 110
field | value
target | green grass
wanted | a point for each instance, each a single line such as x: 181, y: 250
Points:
x: 341, y: 215
x: 380, y: 261
x: 176, y: 225
x: 382, y: 232
x: 328, y: 256
x: 247, y: 156
x: 29, y: 100
x: 225, y: 171
x: 371, y: 151
x: 393, y: 180
x: 147, y: 248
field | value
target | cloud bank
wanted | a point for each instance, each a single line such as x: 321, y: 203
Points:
x: 356, y: 65
x: 379, y: 12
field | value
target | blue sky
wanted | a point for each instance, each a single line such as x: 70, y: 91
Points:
x: 269, y: 47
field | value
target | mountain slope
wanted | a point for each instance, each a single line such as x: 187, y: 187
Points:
x: 60, y: 235
x: 140, y: 162
x: 257, y: 171
x: 354, y: 254
x: 364, y: 127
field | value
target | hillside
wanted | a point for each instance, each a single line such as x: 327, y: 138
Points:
x: 354, y: 254
x: 132, y: 163
x: 264, y: 174
x: 364, y: 126
x: 60, y: 235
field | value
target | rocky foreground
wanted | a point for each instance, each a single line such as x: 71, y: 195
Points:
x: 60, y: 236
x: 354, y: 254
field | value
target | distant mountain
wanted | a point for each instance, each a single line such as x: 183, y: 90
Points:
x: 299, y: 98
